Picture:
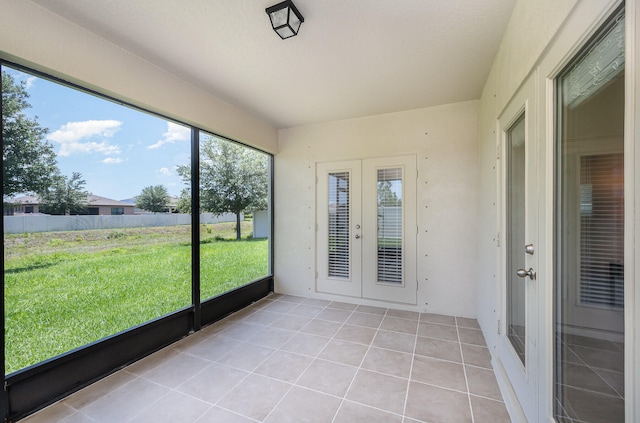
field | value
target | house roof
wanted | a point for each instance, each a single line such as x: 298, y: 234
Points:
x: 93, y: 200
x: 352, y: 58
x: 25, y: 199
x: 96, y: 200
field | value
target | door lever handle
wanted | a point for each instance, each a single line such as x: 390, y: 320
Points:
x: 524, y: 273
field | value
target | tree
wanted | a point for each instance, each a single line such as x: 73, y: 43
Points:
x: 233, y: 178
x: 153, y: 198
x: 184, y: 202
x: 28, y: 160
x: 66, y: 195
x: 386, y: 196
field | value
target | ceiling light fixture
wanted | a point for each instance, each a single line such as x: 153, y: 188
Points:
x: 285, y: 19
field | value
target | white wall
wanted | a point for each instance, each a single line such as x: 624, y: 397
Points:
x: 445, y: 141
x: 531, y: 28
x: 32, y: 36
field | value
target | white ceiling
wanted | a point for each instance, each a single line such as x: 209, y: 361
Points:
x: 351, y: 58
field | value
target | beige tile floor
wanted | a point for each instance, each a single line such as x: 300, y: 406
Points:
x: 291, y: 359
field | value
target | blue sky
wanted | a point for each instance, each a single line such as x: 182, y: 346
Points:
x: 118, y: 150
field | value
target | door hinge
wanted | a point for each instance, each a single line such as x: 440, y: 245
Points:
x: 498, y: 326
x: 498, y: 152
x: 498, y: 239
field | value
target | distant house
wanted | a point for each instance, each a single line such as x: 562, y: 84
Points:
x: 96, y: 205
x: 172, y: 207
x: 103, y: 205
x: 22, y: 205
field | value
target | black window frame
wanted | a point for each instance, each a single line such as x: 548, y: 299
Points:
x: 35, y: 387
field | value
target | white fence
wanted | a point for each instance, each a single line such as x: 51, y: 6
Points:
x: 47, y: 223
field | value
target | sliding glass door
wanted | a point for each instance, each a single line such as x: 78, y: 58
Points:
x: 589, y: 231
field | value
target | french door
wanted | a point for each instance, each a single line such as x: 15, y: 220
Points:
x: 366, y: 228
x: 519, y: 185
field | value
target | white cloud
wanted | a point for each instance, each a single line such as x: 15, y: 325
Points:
x: 174, y: 133
x: 112, y: 160
x: 30, y: 81
x: 71, y: 136
x: 164, y: 171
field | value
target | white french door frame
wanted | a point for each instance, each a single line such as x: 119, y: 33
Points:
x: 363, y: 230
x: 523, y: 378
x: 325, y: 282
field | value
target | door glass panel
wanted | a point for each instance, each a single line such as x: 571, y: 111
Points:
x: 589, y: 232
x: 516, y: 328
x: 339, y: 215
x: 389, y: 231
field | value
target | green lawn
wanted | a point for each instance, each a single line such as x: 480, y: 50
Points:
x: 64, y: 290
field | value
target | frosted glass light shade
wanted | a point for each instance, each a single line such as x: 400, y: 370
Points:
x: 285, y: 19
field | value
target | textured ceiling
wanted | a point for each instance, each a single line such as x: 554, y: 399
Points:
x: 351, y: 58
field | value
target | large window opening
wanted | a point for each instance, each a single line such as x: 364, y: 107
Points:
x: 98, y: 228
x: 234, y: 210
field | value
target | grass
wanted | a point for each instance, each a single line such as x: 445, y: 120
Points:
x: 67, y: 289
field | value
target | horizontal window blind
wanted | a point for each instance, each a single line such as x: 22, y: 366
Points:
x: 339, y: 223
x: 390, y: 225
x: 602, y: 230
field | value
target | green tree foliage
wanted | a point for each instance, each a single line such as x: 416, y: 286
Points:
x: 65, y: 195
x: 386, y: 196
x: 28, y: 160
x: 153, y: 198
x: 233, y: 179
x: 184, y: 202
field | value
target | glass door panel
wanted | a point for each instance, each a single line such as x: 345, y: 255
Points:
x: 516, y: 214
x: 589, y: 231
x: 389, y: 228
x: 338, y: 217
x: 339, y: 222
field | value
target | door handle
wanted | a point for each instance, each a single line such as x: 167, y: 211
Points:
x: 524, y: 273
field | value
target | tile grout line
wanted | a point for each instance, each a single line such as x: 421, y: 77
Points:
x: 314, y: 358
x: 464, y: 368
x: 295, y: 382
x: 249, y: 373
x: 344, y: 397
x: 413, y: 357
